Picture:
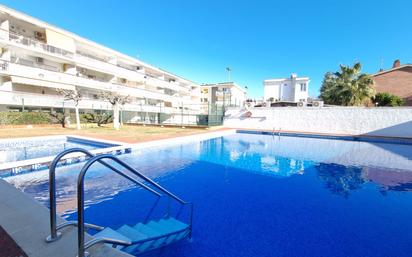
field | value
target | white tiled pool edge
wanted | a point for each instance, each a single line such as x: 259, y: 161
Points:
x: 121, y: 147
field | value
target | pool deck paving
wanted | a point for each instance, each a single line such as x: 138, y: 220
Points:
x: 29, y: 226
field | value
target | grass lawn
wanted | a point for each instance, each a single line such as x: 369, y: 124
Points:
x: 127, y: 134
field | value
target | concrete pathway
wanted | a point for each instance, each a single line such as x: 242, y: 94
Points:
x: 27, y: 222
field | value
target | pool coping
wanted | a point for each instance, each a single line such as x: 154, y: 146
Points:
x: 346, y: 137
x: 35, y: 164
x: 27, y: 223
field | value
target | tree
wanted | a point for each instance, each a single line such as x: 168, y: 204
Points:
x: 116, y: 100
x: 386, y: 99
x: 74, y: 96
x: 98, y: 118
x: 347, y: 87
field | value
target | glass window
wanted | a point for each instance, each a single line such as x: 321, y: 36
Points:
x: 303, y: 87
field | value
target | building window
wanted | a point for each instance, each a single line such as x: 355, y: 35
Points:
x: 303, y: 87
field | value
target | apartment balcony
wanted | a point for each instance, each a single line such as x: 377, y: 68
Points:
x: 170, y: 85
x: 41, y: 77
x: 33, y: 44
x: 122, y: 72
x: 90, y: 62
x: 105, y: 66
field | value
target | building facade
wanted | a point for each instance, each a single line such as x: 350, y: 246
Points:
x: 396, y: 81
x: 293, y: 89
x: 223, y: 94
x: 36, y: 59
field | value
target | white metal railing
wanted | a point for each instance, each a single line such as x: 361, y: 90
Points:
x: 94, y: 62
x: 33, y: 43
x: 128, y: 73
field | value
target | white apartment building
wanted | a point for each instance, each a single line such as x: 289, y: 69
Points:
x: 293, y: 89
x: 37, y: 58
x: 227, y: 94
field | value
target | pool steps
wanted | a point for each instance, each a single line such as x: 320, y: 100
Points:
x: 145, y: 237
x: 136, y: 239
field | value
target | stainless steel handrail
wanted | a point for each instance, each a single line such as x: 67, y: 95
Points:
x: 54, y: 234
x: 80, y: 199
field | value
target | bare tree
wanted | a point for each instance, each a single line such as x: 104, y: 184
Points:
x: 74, y: 96
x: 116, y: 100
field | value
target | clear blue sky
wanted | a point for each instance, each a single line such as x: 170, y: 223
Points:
x: 257, y: 39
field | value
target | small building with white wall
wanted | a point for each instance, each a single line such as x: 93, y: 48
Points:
x: 293, y: 89
x: 226, y: 93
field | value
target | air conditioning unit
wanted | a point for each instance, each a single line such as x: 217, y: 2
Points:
x: 39, y: 60
x: 302, y: 104
x: 317, y: 103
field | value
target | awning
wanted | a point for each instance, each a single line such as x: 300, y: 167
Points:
x: 59, y: 40
x: 41, y: 83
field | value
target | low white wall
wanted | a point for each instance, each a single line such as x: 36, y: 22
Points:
x: 382, y: 121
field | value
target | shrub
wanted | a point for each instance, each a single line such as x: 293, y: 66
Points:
x: 386, y: 99
x: 24, y: 118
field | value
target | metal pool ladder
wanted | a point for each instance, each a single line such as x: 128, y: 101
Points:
x: 134, y: 239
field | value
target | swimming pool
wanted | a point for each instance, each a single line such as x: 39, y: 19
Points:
x: 30, y: 148
x: 260, y: 195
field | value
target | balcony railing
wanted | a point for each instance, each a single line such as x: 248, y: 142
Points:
x: 127, y: 73
x: 92, y: 61
x: 33, y: 43
x: 60, y: 77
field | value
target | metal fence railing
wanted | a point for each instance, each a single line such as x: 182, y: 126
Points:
x: 186, y: 115
x: 22, y: 112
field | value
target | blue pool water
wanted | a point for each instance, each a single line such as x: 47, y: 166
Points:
x: 258, y: 195
x: 31, y: 148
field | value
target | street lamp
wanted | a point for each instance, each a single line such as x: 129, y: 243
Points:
x: 229, y: 70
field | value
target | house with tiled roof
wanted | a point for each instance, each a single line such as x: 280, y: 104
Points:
x: 396, y: 81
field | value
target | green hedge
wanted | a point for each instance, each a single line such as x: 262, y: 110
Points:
x: 24, y: 118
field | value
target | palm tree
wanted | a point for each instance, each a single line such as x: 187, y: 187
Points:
x: 347, y: 87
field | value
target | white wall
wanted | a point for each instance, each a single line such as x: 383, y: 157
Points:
x: 391, y: 122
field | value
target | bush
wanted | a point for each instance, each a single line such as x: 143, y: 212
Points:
x: 98, y: 118
x: 386, y: 99
x: 24, y: 118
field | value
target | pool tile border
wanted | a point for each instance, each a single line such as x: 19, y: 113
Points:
x: 36, y: 164
x: 359, y: 138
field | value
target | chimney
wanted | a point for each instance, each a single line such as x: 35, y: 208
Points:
x: 396, y: 63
